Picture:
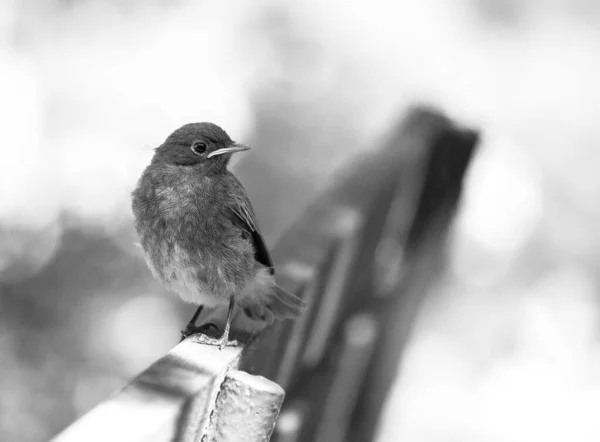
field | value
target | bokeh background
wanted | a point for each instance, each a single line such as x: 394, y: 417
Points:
x: 507, y: 349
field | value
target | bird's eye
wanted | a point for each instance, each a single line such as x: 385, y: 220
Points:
x: 198, y: 147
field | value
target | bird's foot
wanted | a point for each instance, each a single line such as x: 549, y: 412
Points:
x: 221, y: 342
x: 205, y: 335
x: 192, y: 329
x: 224, y: 341
x: 216, y: 342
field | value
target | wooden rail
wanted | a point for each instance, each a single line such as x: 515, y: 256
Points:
x: 363, y: 257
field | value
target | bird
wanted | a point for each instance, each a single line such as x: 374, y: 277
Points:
x: 199, y: 232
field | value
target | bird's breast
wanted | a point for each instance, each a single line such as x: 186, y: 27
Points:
x: 189, y: 240
x: 179, y: 199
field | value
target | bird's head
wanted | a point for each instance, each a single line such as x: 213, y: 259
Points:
x: 198, y: 144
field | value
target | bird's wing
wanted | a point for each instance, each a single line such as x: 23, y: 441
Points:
x: 245, y: 219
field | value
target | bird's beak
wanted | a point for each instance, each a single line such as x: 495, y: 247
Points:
x: 235, y: 147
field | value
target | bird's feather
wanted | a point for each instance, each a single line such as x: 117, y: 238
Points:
x: 246, y: 220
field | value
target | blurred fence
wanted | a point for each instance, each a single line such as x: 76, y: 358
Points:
x: 363, y: 257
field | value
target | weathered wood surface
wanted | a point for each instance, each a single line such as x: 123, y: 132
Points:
x: 194, y: 393
x: 363, y: 257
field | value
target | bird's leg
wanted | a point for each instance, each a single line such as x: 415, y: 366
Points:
x: 191, y: 328
x: 224, y: 339
x: 196, y: 314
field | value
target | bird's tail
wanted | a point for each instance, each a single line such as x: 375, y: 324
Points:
x: 252, y: 317
x: 283, y: 304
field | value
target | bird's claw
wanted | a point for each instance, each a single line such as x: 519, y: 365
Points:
x: 192, y: 329
x: 215, y: 342
x: 209, y: 338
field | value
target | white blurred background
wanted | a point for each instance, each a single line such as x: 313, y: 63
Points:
x: 507, y: 349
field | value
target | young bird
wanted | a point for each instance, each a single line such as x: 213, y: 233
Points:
x: 199, y: 232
